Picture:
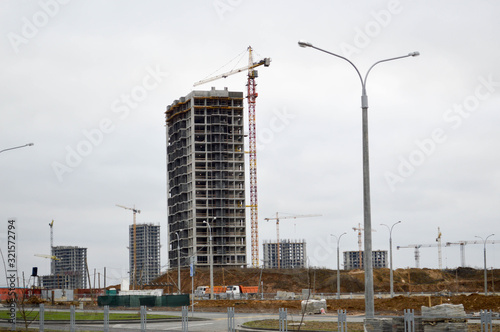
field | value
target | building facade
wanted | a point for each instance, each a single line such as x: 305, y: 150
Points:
x: 206, y: 178
x: 147, y: 253
x: 69, y: 269
x: 353, y: 259
x: 292, y: 254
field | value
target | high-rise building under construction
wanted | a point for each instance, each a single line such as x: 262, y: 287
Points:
x: 292, y: 254
x: 206, y: 178
x: 69, y: 270
x: 147, y: 253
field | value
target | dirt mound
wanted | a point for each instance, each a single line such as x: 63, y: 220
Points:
x: 395, y: 306
x: 325, y: 281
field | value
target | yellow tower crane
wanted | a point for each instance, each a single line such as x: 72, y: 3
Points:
x: 277, y: 218
x: 133, y: 273
x: 360, y: 244
x: 48, y: 256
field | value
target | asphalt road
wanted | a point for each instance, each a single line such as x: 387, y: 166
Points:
x: 205, y: 321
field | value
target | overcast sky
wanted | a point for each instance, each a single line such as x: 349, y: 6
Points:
x: 88, y: 83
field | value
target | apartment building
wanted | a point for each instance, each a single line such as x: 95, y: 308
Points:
x: 206, y: 178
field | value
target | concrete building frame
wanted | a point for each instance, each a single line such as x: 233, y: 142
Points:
x: 206, y: 178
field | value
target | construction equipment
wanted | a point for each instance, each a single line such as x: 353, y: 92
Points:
x: 54, y: 258
x: 418, y: 246
x: 52, y: 262
x: 360, y: 243
x: 132, y: 274
x: 417, y: 250
x: 462, y: 247
x: 278, y: 229
x: 438, y: 240
x: 252, y: 95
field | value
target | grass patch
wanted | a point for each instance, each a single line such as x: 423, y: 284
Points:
x: 306, y: 325
x: 89, y: 315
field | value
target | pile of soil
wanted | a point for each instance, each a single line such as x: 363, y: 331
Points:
x: 442, y: 283
x: 325, y: 281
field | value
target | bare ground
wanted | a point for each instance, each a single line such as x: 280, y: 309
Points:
x: 443, y: 283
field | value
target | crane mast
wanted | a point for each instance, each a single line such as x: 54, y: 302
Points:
x: 360, y: 245
x: 438, y: 240
x: 252, y: 147
x: 52, y: 262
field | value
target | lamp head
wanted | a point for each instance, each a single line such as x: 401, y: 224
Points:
x: 414, y: 53
x: 304, y: 44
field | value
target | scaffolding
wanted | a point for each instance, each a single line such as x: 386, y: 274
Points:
x: 206, y: 178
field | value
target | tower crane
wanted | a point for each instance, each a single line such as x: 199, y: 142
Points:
x: 418, y: 246
x: 52, y: 257
x: 462, y: 247
x: 438, y: 240
x: 417, y: 250
x: 135, y: 211
x: 52, y: 262
x: 277, y: 218
x: 252, y: 95
x: 360, y: 245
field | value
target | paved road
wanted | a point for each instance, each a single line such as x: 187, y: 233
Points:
x: 205, y: 322
x: 211, y: 321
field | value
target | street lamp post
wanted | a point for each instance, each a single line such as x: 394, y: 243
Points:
x: 369, y: 294
x: 178, y: 262
x: 211, y: 259
x: 338, y: 263
x: 17, y: 147
x: 390, y: 254
x: 485, y: 270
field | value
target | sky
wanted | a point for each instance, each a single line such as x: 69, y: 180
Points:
x: 88, y: 83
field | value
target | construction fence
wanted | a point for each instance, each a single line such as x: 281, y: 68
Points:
x: 143, y: 300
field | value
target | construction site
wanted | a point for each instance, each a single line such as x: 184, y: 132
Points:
x: 284, y: 288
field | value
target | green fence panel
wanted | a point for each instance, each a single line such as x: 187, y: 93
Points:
x: 175, y: 300
x: 148, y: 301
x: 143, y: 300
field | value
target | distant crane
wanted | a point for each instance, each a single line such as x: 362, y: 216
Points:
x: 360, y: 245
x: 52, y: 262
x: 278, y: 229
x: 462, y: 247
x: 418, y: 246
x: 252, y: 95
x: 54, y: 258
x: 438, y: 240
x: 135, y: 211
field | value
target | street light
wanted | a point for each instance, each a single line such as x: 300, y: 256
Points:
x: 390, y: 254
x: 178, y: 262
x: 485, y: 273
x: 369, y: 296
x: 17, y: 147
x: 338, y: 263
x: 211, y: 258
